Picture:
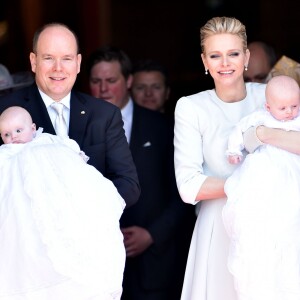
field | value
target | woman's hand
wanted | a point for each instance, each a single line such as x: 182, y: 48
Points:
x: 251, y: 139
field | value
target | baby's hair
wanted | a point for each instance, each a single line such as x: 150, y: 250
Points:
x: 281, y: 85
x: 13, y: 110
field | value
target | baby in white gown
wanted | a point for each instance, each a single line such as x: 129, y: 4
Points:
x: 59, y: 218
x: 262, y: 213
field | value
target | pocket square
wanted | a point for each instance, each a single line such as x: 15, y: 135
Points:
x: 147, y: 144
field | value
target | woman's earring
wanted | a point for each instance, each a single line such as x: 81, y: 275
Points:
x: 206, y: 72
x: 246, y: 68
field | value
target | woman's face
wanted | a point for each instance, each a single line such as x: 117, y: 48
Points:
x: 225, y: 58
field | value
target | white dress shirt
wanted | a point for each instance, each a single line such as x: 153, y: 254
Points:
x: 127, y: 114
x: 52, y: 113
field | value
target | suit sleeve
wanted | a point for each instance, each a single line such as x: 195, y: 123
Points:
x: 120, y: 168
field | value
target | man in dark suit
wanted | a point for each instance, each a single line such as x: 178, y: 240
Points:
x: 153, y: 269
x: 94, y: 124
x: 150, y: 85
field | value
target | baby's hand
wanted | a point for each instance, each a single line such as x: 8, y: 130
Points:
x: 234, y: 159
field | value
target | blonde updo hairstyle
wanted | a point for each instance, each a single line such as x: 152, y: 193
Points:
x: 219, y: 25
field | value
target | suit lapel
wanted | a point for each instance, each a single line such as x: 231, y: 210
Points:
x: 79, y: 116
x: 135, y: 132
x: 35, y: 105
x: 140, y: 135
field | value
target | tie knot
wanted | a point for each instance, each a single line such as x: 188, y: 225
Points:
x: 58, y: 107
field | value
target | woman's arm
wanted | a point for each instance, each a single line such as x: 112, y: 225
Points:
x: 212, y: 188
x: 286, y: 140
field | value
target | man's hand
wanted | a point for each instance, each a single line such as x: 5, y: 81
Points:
x: 136, y: 240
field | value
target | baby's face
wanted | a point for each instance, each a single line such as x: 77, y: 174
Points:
x: 16, y: 131
x: 284, y: 109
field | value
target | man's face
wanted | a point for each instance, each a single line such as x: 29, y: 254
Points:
x: 56, y: 62
x: 258, y: 67
x: 149, y: 89
x: 107, y: 82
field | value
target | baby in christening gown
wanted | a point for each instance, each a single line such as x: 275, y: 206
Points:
x: 262, y: 213
x: 59, y: 218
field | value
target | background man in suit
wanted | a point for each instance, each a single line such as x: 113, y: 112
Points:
x: 262, y: 59
x: 150, y: 85
x: 154, y: 268
x: 94, y: 124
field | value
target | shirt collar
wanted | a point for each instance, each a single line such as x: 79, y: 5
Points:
x: 127, y: 110
x: 48, y: 100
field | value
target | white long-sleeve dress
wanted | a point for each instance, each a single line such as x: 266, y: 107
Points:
x: 59, y: 225
x: 202, y: 126
x: 262, y: 216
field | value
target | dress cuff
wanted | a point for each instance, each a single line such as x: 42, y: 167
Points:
x: 251, y: 140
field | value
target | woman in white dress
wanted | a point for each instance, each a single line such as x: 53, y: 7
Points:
x: 262, y: 213
x: 59, y: 218
x: 202, y: 125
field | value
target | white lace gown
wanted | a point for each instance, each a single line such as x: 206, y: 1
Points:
x: 59, y: 225
x: 202, y: 126
x: 262, y: 217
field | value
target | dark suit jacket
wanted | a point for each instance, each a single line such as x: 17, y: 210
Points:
x: 96, y: 126
x: 159, y: 209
